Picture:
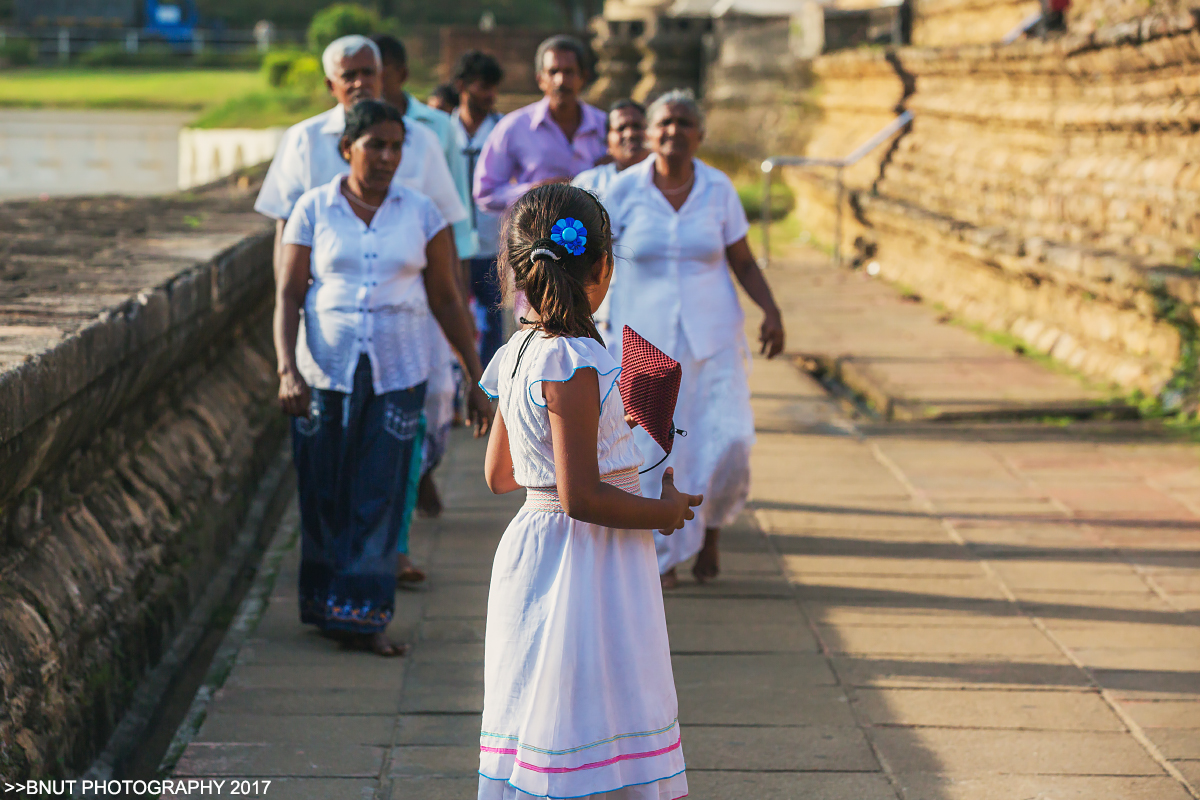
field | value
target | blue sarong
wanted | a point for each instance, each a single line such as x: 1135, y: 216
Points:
x: 355, y: 469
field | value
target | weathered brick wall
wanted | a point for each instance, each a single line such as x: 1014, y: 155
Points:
x: 513, y: 47
x: 1045, y: 189
x: 858, y: 92
x: 947, y: 23
x: 755, y: 91
x: 136, y: 371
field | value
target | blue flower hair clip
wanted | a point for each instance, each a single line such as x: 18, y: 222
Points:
x: 571, y: 234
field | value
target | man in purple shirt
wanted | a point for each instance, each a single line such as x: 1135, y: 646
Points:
x: 552, y: 140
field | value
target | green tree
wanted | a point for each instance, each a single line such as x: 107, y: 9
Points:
x: 338, y: 20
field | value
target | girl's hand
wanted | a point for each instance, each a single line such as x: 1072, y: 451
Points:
x: 630, y: 421
x: 683, y: 502
x: 294, y: 394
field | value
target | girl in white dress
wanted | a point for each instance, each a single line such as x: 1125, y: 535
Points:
x: 579, y: 699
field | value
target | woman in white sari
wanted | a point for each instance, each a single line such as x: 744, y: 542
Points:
x: 681, y: 231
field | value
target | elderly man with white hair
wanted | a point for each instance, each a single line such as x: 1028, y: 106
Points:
x: 308, y: 156
x: 308, y: 153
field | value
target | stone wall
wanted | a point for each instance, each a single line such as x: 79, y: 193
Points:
x: 136, y: 372
x: 1044, y: 189
x: 948, y: 23
x: 209, y: 154
x: 858, y: 92
x: 755, y: 91
x: 515, y: 49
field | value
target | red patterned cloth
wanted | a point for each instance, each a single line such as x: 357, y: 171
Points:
x: 649, y: 387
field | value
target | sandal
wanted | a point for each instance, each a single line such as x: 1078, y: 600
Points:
x: 669, y: 579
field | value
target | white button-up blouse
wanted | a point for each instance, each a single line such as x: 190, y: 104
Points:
x: 368, y: 291
x: 672, y: 274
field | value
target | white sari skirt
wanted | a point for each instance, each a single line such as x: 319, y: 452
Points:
x: 713, y: 459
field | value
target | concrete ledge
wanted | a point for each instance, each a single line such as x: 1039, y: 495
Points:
x: 136, y: 371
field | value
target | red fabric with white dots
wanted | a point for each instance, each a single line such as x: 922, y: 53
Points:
x: 649, y: 387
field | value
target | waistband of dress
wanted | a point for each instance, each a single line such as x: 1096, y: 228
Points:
x: 546, y: 500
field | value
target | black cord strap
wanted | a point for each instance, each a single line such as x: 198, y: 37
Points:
x: 665, y: 455
x: 524, y: 345
x: 517, y: 365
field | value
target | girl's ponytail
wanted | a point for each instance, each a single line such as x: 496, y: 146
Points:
x: 553, y: 278
x: 561, y: 298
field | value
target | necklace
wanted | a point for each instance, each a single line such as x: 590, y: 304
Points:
x: 360, y: 203
x: 680, y: 189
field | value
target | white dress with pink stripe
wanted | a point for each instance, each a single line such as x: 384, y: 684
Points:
x: 579, y: 699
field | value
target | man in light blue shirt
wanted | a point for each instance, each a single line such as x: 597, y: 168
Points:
x: 477, y: 77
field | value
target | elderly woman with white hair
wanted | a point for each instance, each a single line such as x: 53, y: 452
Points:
x: 681, y: 231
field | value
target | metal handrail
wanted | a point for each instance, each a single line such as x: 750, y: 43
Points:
x: 839, y: 164
x: 1023, y: 27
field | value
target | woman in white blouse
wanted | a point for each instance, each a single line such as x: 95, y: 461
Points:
x: 379, y: 258
x: 681, y: 231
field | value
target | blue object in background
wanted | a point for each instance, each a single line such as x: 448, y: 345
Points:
x: 174, y: 21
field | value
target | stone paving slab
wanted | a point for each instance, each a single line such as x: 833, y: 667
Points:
x: 307, y: 788
x: 982, y: 709
x: 976, y: 751
x: 1042, y: 787
x: 734, y: 785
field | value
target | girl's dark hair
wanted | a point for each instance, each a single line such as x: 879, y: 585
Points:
x: 555, y: 288
x: 363, y: 115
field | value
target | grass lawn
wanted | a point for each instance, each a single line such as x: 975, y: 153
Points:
x: 224, y: 98
x: 264, y: 108
x: 124, y: 88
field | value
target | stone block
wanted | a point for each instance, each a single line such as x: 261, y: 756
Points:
x: 325, y: 760
x: 979, y: 752
x: 778, y: 749
x: 1050, y: 787
x: 231, y: 727
x: 412, y: 761
x: 982, y: 708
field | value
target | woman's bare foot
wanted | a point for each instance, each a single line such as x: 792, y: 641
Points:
x: 407, y: 574
x: 707, y: 565
x: 377, y: 643
x: 670, y: 579
x: 381, y: 645
x: 429, y: 502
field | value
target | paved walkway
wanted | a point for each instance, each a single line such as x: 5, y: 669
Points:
x: 915, y: 611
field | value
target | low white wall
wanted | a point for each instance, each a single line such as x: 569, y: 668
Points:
x: 63, y: 152
x: 207, y: 155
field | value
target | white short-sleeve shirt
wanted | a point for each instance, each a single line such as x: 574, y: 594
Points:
x: 515, y: 376
x: 308, y: 157
x: 368, y: 291
x: 485, y: 224
x: 597, y: 180
x: 671, y: 270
